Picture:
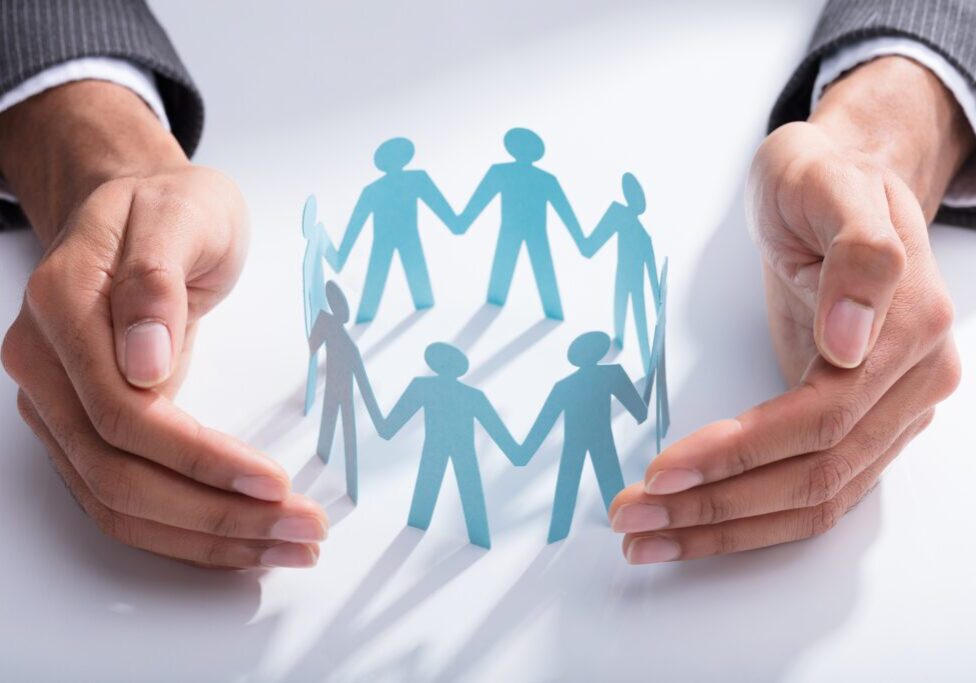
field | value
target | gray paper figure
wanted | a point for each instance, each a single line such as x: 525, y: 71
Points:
x: 450, y: 410
x: 584, y: 400
x: 526, y: 192
x: 343, y: 369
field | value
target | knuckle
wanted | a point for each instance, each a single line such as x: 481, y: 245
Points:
x: 219, y: 552
x: 110, y: 485
x: 826, y: 478
x: 939, y: 316
x: 110, y: 420
x: 15, y: 354
x: 925, y: 420
x: 43, y: 285
x: 724, y: 541
x: 835, y: 422
x: 876, y: 256
x: 154, y: 276
x: 221, y: 521
x: 824, y: 517
x: 713, y: 509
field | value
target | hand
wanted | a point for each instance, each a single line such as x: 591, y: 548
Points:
x: 860, y: 319
x: 140, y: 244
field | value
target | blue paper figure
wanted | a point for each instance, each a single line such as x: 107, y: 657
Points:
x: 318, y: 248
x: 343, y: 369
x: 635, y: 257
x: 658, y: 365
x: 450, y: 411
x: 392, y: 201
x: 526, y: 191
x: 584, y: 400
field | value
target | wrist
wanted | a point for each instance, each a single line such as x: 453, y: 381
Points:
x: 58, y: 146
x: 924, y: 138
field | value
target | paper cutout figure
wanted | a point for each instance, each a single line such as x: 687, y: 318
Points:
x: 318, y: 248
x: 584, y: 400
x: 450, y: 411
x: 658, y: 365
x: 526, y: 191
x: 343, y: 369
x: 392, y: 201
x: 635, y: 256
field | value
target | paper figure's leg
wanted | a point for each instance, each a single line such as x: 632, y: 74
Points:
x: 503, y: 268
x: 313, y: 371
x: 429, y: 478
x: 330, y: 414
x: 662, y: 392
x: 376, y: 274
x: 620, y: 295
x: 606, y: 465
x: 567, y: 488
x: 349, y: 443
x: 545, y: 277
x: 472, y: 499
x: 640, y: 322
x: 418, y: 278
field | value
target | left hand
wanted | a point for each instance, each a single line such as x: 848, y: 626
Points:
x: 837, y: 221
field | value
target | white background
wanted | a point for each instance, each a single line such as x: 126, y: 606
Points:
x: 299, y: 94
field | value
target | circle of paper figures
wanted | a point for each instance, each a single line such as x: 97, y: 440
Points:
x: 451, y: 407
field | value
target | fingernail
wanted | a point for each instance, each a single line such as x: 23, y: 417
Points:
x: 147, y: 353
x: 637, y: 517
x: 652, y: 549
x: 847, y: 331
x: 289, y: 555
x: 260, y: 486
x: 298, y: 530
x: 672, y: 481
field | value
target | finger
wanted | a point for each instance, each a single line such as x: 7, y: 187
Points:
x: 764, y: 530
x: 189, y: 546
x: 72, y: 313
x: 863, y: 262
x: 138, y: 488
x: 801, y: 481
x: 169, y: 244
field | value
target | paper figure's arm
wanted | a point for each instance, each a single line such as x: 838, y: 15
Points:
x: 485, y: 192
x: 366, y: 389
x: 486, y: 414
x: 627, y: 394
x: 550, y: 412
x: 601, y: 234
x: 651, y: 263
x: 565, y: 212
x: 360, y: 213
x: 408, y: 406
x: 431, y: 195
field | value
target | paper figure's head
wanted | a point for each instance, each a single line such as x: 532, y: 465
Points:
x: 524, y: 145
x: 588, y: 349
x: 337, y: 302
x: 446, y: 360
x: 633, y: 193
x: 393, y: 154
x: 308, y: 216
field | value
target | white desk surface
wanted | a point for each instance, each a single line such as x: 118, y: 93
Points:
x: 299, y: 94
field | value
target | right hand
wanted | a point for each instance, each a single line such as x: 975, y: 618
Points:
x: 103, y: 340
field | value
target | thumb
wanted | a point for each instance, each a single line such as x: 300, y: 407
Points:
x: 149, y: 313
x: 864, y: 261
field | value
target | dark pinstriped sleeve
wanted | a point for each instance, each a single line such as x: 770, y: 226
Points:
x: 38, y: 34
x: 946, y: 26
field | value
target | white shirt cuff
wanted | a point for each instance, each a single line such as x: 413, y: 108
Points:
x: 962, y: 191
x: 139, y: 80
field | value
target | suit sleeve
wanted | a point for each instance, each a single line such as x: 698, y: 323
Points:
x: 945, y: 26
x: 38, y: 34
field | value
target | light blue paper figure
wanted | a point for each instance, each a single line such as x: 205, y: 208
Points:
x: 392, y: 201
x: 584, y: 400
x: 450, y: 411
x: 658, y: 365
x: 635, y: 257
x: 526, y: 192
x: 318, y: 248
x: 343, y: 369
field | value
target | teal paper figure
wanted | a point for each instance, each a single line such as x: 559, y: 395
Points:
x: 392, y: 201
x: 343, y: 369
x: 584, y: 400
x: 635, y: 256
x: 526, y: 191
x: 318, y: 248
x: 450, y: 411
x: 658, y: 365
